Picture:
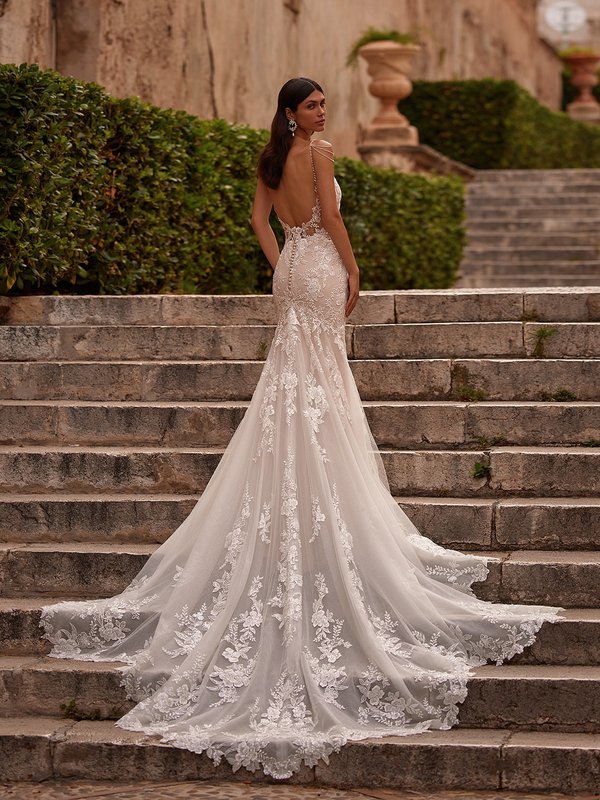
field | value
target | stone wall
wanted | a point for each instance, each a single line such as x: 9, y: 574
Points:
x: 228, y: 59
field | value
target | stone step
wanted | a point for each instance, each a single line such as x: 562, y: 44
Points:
x: 533, y: 187
x: 587, y: 226
x: 469, y: 523
x: 36, y: 748
x: 251, y: 343
x: 413, y: 305
x: 495, y: 211
x: 539, y: 280
x: 503, y: 240
x: 517, y: 470
x: 394, y: 379
x: 398, y: 423
x: 170, y: 309
x: 575, y: 256
x: 513, y: 697
x: 567, y: 579
x: 574, y: 640
x: 564, y: 304
x: 535, y: 176
x: 524, y: 199
x: 137, y: 342
x: 581, y: 270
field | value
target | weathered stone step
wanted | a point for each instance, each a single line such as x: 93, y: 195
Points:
x: 535, y: 176
x: 576, y: 256
x: 528, y: 379
x: 439, y: 340
x: 469, y: 523
x: 543, y: 188
x: 538, y: 471
x: 557, y: 304
x: 525, y: 199
x: 515, y: 697
x: 541, y: 270
x: 374, y: 307
x: 523, y: 279
x: 38, y: 748
x: 574, y: 640
x: 495, y: 211
x: 568, y: 579
x: 136, y: 342
x: 397, y: 423
x: 170, y: 309
x: 550, y: 225
x: 479, y: 239
x: 394, y: 379
x: 251, y: 343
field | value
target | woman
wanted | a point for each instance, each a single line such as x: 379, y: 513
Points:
x: 297, y: 607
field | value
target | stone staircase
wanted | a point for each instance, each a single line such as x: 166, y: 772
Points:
x: 114, y: 412
x: 533, y: 228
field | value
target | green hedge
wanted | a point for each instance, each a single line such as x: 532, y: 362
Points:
x: 491, y: 124
x: 102, y: 195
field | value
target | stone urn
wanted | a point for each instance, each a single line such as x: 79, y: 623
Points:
x: 584, y: 76
x: 390, y: 66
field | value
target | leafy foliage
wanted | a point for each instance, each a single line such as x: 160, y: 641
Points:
x: 491, y: 124
x: 406, y: 230
x: 103, y: 195
x: 376, y: 35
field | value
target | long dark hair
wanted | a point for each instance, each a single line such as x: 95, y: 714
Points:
x: 272, y: 158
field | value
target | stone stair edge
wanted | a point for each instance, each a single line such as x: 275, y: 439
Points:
x: 43, y: 747
x: 390, y: 304
x: 533, y: 557
x: 34, y: 603
x: 507, y: 670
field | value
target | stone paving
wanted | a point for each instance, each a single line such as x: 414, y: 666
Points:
x: 99, y: 790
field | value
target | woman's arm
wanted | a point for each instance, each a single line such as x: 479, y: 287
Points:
x: 331, y: 218
x: 261, y: 210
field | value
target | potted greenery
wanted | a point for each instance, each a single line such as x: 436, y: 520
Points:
x: 582, y: 64
x: 389, y: 56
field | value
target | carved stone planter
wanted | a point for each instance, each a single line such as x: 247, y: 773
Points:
x: 390, y: 67
x: 584, y: 76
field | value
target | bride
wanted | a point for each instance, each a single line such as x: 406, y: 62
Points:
x: 297, y: 607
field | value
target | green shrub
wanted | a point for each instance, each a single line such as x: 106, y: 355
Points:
x: 406, y: 230
x: 491, y: 124
x: 103, y: 195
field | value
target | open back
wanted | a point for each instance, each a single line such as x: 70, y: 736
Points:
x: 295, y: 200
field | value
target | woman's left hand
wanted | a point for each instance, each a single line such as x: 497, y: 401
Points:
x: 353, y: 292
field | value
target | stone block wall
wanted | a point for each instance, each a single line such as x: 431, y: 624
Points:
x: 229, y: 59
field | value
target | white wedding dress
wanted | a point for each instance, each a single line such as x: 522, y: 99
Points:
x: 297, y: 607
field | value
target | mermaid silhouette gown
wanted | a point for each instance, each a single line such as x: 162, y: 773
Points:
x: 297, y: 607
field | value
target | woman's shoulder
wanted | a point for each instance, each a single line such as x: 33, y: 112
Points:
x: 322, y: 143
x: 324, y: 147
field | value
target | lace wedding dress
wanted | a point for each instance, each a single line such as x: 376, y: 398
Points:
x: 297, y: 607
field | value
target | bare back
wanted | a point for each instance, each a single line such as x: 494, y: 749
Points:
x: 295, y: 197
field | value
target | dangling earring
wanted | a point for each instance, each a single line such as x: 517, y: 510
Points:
x: 292, y: 125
